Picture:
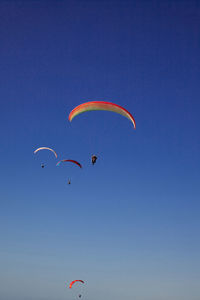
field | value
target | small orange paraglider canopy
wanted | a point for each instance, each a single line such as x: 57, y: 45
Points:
x: 71, y: 284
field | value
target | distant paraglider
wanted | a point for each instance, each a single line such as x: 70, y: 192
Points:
x: 45, y: 148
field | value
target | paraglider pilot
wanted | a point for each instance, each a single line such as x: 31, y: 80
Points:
x: 94, y: 158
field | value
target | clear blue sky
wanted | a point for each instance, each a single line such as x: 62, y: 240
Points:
x: 129, y: 226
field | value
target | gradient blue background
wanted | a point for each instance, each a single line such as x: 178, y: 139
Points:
x: 130, y: 225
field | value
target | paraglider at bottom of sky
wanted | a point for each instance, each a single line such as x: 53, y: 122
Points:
x: 72, y: 283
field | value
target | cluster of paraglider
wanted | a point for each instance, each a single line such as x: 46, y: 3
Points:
x: 84, y: 107
x: 61, y: 161
x: 90, y: 106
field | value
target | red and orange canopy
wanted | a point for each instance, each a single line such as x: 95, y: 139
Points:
x: 70, y: 285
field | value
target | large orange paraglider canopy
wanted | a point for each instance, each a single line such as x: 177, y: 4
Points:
x: 101, y: 105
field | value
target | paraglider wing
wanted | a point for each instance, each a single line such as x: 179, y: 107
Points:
x: 101, y: 105
x: 71, y: 284
x: 46, y: 148
x: 69, y: 160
